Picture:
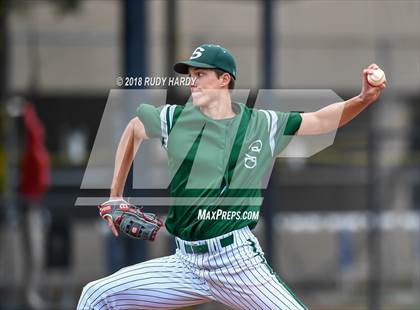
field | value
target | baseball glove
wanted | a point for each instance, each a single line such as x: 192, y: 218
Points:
x: 130, y: 220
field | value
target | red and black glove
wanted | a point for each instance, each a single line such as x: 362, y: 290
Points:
x: 130, y: 220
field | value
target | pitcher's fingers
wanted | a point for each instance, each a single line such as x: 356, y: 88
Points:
x: 112, y: 227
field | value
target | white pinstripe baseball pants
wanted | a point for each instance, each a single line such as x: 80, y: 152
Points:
x: 236, y: 275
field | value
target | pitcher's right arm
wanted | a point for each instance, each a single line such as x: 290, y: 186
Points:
x: 128, y: 146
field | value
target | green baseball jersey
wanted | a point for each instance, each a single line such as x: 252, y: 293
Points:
x: 217, y: 166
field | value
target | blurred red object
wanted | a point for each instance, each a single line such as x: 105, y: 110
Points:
x: 35, y: 167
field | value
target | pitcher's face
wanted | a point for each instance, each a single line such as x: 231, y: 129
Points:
x: 205, y: 86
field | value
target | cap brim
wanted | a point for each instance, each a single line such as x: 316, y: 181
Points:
x: 182, y: 67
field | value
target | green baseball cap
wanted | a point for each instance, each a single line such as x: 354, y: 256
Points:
x: 210, y: 56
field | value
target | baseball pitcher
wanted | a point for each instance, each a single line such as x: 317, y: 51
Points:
x: 218, y: 153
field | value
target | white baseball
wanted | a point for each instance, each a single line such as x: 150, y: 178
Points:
x: 377, y: 77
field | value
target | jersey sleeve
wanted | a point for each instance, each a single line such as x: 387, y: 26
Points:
x: 287, y: 126
x: 158, y: 121
x: 150, y: 117
x: 294, y: 119
x: 281, y: 128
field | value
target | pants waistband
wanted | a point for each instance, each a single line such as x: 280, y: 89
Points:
x: 212, y: 245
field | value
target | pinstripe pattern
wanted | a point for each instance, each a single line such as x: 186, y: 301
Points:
x: 237, y: 276
x: 162, y: 283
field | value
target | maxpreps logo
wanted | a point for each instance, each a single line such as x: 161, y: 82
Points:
x: 254, y: 148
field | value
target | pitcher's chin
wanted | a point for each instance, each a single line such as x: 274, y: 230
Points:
x: 198, y: 99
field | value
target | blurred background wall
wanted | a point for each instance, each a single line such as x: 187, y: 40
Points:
x: 344, y: 228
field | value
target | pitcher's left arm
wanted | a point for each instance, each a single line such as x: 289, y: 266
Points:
x: 338, y: 114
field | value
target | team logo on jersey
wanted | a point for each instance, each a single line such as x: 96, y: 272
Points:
x: 250, y: 159
x: 255, y: 146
